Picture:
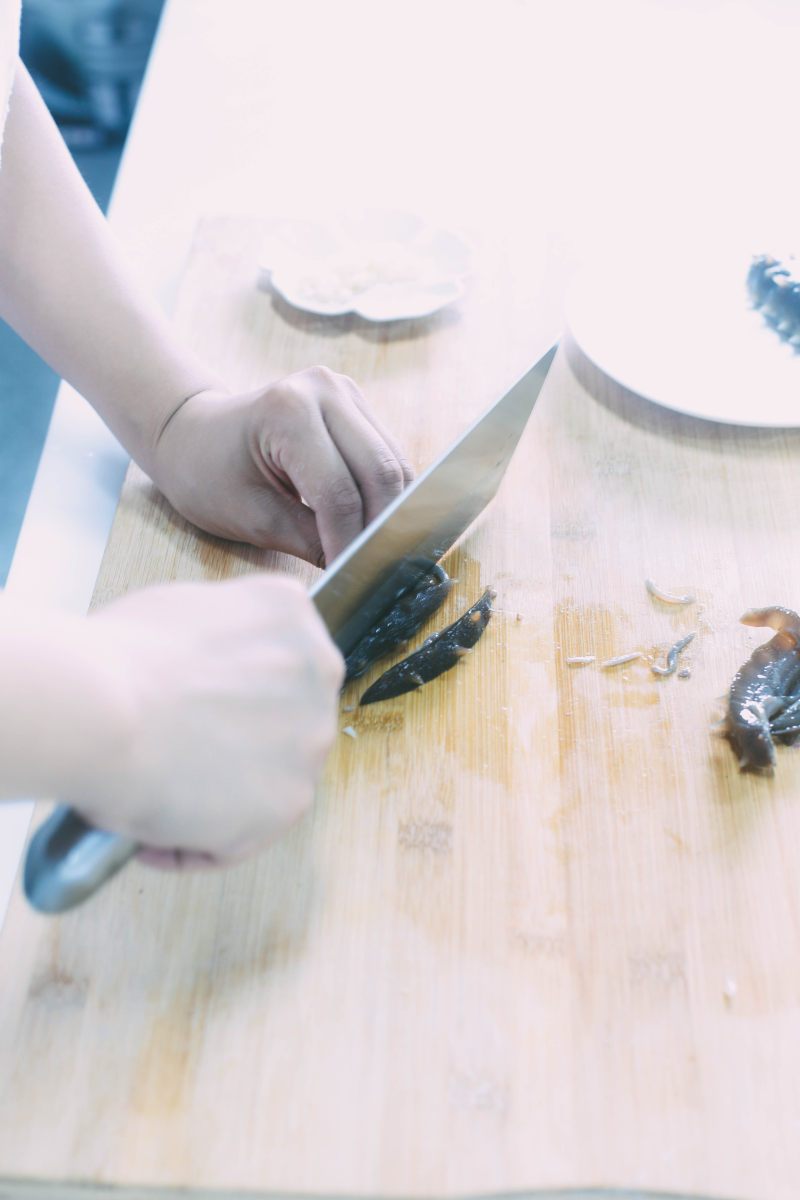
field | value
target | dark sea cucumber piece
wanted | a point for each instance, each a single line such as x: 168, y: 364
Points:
x: 437, y: 654
x: 400, y: 623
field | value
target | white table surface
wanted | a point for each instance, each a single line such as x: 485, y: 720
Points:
x: 607, y: 125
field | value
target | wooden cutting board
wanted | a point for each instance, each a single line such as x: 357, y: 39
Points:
x: 539, y: 932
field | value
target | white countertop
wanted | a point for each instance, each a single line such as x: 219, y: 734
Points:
x: 607, y: 123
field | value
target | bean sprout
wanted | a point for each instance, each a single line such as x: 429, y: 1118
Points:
x: 620, y: 659
x: 672, y: 657
x: 667, y: 597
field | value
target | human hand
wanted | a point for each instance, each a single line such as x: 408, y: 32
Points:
x: 229, y: 694
x: 236, y: 466
x: 300, y: 466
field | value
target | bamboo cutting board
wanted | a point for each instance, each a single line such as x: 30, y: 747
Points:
x: 539, y: 933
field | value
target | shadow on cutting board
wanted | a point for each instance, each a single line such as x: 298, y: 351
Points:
x: 666, y: 422
x: 318, y: 325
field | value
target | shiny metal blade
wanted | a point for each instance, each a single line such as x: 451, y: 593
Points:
x: 421, y: 525
x: 68, y: 859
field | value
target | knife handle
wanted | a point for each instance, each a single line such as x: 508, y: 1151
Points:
x: 68, y: 859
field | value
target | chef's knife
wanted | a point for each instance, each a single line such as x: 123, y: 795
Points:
x: 68, y: 859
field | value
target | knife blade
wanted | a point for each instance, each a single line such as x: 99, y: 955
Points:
x: 68, y: 859
x: 423, y: 522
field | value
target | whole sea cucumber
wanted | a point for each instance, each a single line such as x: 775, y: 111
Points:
x: 764, y: 697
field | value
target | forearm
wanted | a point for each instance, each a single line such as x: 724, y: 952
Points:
x: 64, y: 715
x: 67, y: 290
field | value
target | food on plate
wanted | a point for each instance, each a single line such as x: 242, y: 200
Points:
x: 339, y: 278
x: 437, y: 654
x: 759, y: 278
x: 672, y: 657
x: 400, y: 623
x: 764, y: 698
x: 774, y: 290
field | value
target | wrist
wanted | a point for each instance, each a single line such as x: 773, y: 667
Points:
x: 145, y: 426
x: 190, y: 444
x: 210, y: 395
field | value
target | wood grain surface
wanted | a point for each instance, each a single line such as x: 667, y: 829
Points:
x: 539, y: 932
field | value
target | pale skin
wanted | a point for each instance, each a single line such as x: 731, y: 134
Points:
x: 196, y: 718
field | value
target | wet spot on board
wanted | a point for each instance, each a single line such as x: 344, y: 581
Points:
x: 387, y: 720
x: 59, y: 988
x: 573, y: 529
x: 542, y: 945
x: 615, y: 466
x: 479, y: 1090
x: 662, y: 969
x: 426, y: 835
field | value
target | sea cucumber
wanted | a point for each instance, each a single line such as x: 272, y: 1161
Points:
x: 437, y: 654
x: 400, y: 623
x: 764, y: 697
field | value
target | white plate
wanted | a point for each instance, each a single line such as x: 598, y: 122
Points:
x: 678, y: 330
x: 385, y: 266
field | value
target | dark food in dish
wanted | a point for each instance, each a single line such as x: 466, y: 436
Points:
x: 764, y: 698
x: 437, y: 654
x: 774, y: 290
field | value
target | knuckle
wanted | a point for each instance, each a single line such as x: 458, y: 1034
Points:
x: 330, y: 662
x: 267, y: 593
x: 298, y: 804
x: 338, y: 386
x: 321, y: 372
x: 323, y: 663
x: 303, y: 386
x: 286, y: 397
x: 306, y: 641
x: 295, y: 800
x: 304, y: 798
x: 340, y: 495
x: 327, y: 376
x: 286, y: 587
x: 388, y: 473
